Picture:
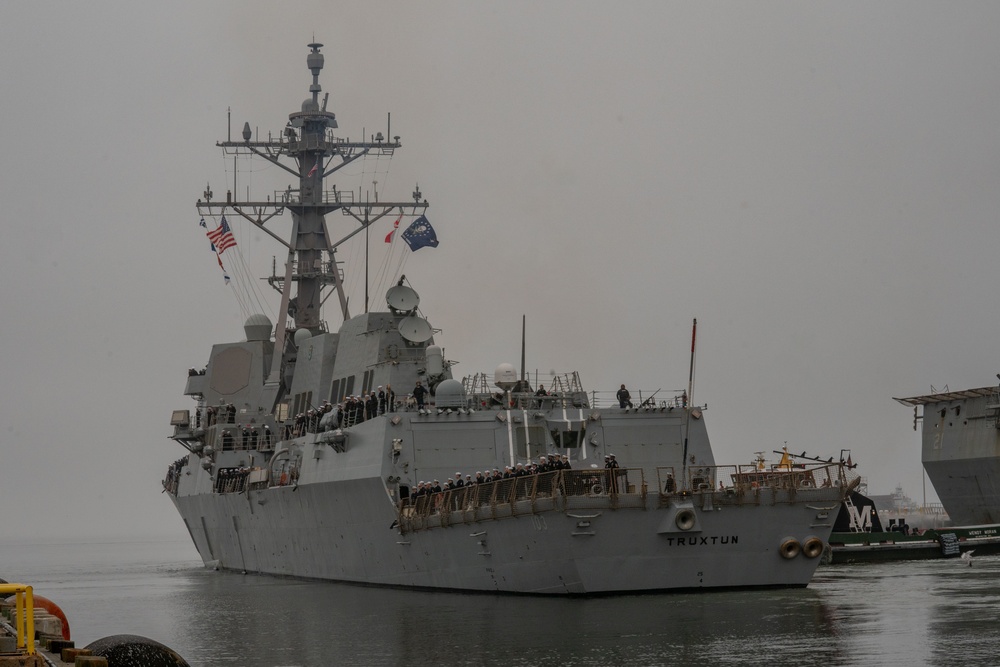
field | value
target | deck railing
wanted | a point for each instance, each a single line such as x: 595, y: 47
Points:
x: 742, y: 483
x: 616, y: 488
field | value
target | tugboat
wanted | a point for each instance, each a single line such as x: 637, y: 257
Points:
x: 323, y: 453
x: 960, y: 440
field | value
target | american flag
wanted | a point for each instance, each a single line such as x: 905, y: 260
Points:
x: 222, y: 237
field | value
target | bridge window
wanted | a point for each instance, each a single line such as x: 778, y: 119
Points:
x: 568, y: 438
x: 531, y: 442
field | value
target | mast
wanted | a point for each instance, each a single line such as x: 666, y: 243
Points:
x: 523, y: 324
x: 694, y: 337
x: 688, y: 404
x: 308, y: 150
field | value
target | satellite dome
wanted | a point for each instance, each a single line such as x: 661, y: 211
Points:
x: 450, y: 394
x: 257, y: 327
x: 300, y: 336
x: 505, y: 376
x: 310, y: 105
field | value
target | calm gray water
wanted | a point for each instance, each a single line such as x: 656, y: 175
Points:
x: 918, y: 613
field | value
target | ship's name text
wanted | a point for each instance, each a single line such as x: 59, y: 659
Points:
x: 982, y: 533
x: 702, y: 539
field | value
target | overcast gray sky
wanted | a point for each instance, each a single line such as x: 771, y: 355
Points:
x: 815, y: 182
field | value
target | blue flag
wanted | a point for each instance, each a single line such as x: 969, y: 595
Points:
x: 420, y: 234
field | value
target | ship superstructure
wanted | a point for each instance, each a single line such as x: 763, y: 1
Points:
x: 961, y: 451
x: 310, y: 452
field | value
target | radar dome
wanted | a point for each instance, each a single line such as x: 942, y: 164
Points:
x: 435, y: 360
x: 301, y: 336
x: 310, y: 105
x: 505, y: 376
x: 257, y: 327
x: 450, y: 394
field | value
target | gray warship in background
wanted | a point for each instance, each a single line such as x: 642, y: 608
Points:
x: 961, y: 451
x: 274, y: 482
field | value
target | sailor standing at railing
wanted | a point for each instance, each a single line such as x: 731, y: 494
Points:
x: 612, y: 466
x: 624, y: 398
x: 418, y: 394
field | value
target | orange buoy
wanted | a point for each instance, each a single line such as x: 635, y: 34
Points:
x: 51, y: 607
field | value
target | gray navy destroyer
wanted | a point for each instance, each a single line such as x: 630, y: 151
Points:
x: 285, y: 474
x: 960, y: 444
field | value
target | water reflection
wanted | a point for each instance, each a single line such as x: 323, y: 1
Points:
x: 917, y: 613
x: 266, y: 621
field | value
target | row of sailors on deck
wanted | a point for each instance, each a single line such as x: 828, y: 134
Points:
x: 327, y: 416
x: 230, y: 480
x: 250, y: 438
x: 354, y: 410
x: 174, y: 473
x: 545, y: 464
x: 225, y: 414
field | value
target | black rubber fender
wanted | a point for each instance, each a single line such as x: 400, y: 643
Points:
x: 135, y: 651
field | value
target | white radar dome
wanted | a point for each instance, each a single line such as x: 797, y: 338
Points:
x: 300, y: 336
x: 450, y: 394
x: 435, y: 360
x: 257, y: 327
x: 505, y: 376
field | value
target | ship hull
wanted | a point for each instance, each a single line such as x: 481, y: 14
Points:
x: 329, y: 454
x: 935, y: 543
x: 961, y: 452
x: 968, y: 483
x: 346, y: 531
